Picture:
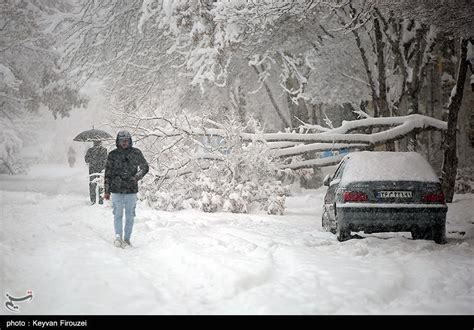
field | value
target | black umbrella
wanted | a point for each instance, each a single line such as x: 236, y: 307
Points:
x: 92, y: 135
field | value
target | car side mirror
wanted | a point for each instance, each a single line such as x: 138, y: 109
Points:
x: 327, y: 180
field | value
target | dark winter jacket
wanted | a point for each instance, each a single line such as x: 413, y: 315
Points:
x: 96, y: 158
x: 124, y: 168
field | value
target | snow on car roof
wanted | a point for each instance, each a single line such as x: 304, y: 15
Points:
x: 387, y: 166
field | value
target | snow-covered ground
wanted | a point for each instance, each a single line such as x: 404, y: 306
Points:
x: 55, y: 244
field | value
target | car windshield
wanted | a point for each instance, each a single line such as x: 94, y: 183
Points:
x: 387, y: 166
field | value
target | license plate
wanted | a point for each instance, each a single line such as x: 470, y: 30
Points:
x: 395, y: 194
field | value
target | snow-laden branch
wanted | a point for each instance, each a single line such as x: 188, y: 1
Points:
x: 8, y: 78
x: 300, y: 149
x: 319, y: 162
x: 310, y: 127
x: 400, y: 126
x: 417, y: 121
x: 403, y: 125
x: 351, y: 135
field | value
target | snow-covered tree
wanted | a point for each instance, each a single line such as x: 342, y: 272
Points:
x: 157, y: 56
x: 395, y: 53
x: 29, y: 75
x: 451, y: 16
x: 134, y: 44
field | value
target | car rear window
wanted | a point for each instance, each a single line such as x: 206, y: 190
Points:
x: 387, y: 166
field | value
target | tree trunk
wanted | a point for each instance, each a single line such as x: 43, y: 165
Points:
x: 298, y: 112
x: 239, y: 102
x: 414, y: 84
x: 450, y: 163
x: 311, y: 116
x: 380, y: 46
x: 382, y: 78
x: 412, y: 99
x: 368, y: 71
x: 303, y: 112
x: 280, y: 113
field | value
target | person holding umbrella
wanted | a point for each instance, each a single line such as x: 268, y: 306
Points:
x: 95, y: 157
x: 125, y: 166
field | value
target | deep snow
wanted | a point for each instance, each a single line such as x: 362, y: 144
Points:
x: 55, y: 244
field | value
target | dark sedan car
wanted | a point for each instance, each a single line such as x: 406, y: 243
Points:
x: 385, y: 192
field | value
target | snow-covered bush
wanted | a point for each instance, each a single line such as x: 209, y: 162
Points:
x: 164, y: 200
x: 9, y: 147
x: 14, y: 132
x: 276, y: 205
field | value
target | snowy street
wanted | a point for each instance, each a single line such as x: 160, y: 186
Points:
x: 226, y: 130
x: 189, y: 262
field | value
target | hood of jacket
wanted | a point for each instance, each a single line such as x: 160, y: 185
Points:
x: 123, y: 135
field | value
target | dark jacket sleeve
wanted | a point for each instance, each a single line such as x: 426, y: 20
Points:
x: 143, y: 166
x: 107, y: 173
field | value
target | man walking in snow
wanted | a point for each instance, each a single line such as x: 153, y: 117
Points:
x: 95, y: 157
x: 124, y: 168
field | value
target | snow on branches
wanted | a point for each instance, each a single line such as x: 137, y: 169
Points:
x: 348, y: 135
x: 30, y: 77
x: 213, y: 172
x: 197, y: 162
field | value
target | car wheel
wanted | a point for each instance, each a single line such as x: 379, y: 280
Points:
x: 439, y: 234
x: 421, y: 233
x: 326, y: 223
x: 342, y: 234
x: 415, y: 234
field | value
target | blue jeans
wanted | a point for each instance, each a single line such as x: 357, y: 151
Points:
x: 119, y: 203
